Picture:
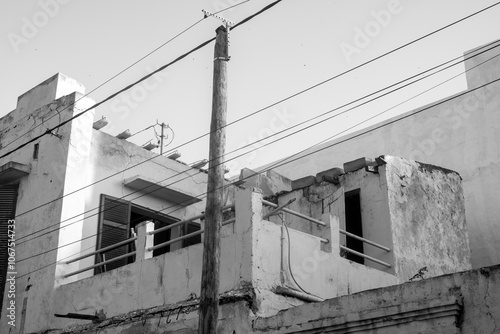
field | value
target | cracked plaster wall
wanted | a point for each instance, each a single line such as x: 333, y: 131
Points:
x: 38, y: 109
x: 462, y: 134
x: 428, y: 219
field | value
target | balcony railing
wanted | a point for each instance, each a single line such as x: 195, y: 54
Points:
x: 142, y: 249
x: 150, y: 249
x: 321, y: 223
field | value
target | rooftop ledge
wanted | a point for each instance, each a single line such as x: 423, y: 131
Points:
x: 153, y: 188
x: 13, y: 171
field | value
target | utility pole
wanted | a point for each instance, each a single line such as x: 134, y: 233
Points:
x: 209, y: 296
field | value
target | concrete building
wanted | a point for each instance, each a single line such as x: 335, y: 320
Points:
x: 461, y: 132
x: 102, y: 246
x: 50, y: 187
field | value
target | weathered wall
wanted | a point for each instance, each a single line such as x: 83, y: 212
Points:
x: 251, y: 259
x: 462, y: 134
x: 375, y: 215
x: 428, y: 218
x: 108, y: 156
x: 38, y: 109
x: 466, y: 302
x: 320, y: 198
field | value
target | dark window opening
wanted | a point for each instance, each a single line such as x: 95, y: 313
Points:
x: 118, y: 221
x: 35, y: 151
x: 8, y: 199
x: 353, y: 224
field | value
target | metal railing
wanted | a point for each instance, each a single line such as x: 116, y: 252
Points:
x: 298, y: 214
x: 99, y: 251
x: 187, y: 236
x: 365, y: 256
x: 132, y: 239
x: 319, y: 222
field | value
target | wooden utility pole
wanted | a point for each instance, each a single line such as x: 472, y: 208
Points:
x: 209, y: 296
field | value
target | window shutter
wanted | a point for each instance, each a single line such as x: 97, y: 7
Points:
x: 8, y: 198
x: 114, y: 227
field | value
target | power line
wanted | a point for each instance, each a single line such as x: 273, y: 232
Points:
x: 105, y: 82
x: 140, y: 163
x: 49, y: 131
x: 222, y: 10
x: 309, y: 126
x: 471, y: 55
x: 128, y: 67
x: 282, y: 162
x: 251, y: 114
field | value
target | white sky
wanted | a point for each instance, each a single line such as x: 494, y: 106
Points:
x: 292, y: 46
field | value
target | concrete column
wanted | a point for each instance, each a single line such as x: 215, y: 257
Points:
x: 332, y: 227
x: 248, y: 205
x: 144, y: 240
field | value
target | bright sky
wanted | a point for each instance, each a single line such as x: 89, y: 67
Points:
x: 290, y: 47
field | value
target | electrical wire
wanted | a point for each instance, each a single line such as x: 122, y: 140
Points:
x: 105, y: 82
x: 88, y: 211
x: 290, y: 134
x: 283, y: 162
x: 238, y: 4
x: 269, y: 106
x: 128, y: 67
x: 283, y: 224
x: 49, y: 131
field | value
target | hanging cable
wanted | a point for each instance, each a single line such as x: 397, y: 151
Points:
x: 283, y: 162
x: 49, y: 131
x: 267, y: 7
x: 290, y: 134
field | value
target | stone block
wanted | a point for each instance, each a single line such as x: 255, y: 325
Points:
x: 329, y: 175
x: 280, y: 182
x: 354, y: 165
x: 271, y: 183
x: 303, y: 182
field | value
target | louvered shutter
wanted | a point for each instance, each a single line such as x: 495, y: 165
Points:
x: 114, y: 227
x: 8, y: 198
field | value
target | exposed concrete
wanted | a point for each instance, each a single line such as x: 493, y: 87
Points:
x: 252, y: 258
x: 462, y: 134
x: 414, y: 209
x: 466, y: 302
x: 270, y: 183
x: 35, y: 256
x: 427, y: 211
x: 73, y: 158
x: 354, y: 165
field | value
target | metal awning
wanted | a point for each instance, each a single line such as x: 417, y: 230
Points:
x: 152, y: 188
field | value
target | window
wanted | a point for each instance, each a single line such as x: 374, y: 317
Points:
x: 353, y: 224
x: 8, y: 198
x: 118, y: 221
x: 35, y: 151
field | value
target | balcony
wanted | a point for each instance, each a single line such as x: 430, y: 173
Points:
x: 272, y: 264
